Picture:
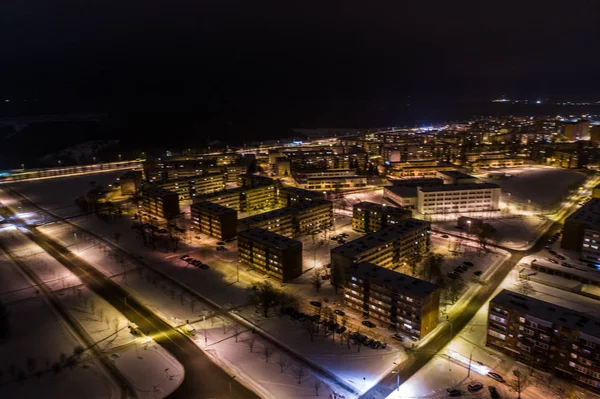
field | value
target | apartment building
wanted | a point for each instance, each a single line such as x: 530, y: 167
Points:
x: 130, y: 182
x: 368, y: 217
x: 398, y: 301
x: 418, y: 168
x: 214, y: 220
x: 333, y: 183
x: 232, y: 172
x: 243, y: 199
x: 404, y: 196
x: 290, y: 196
x: 546, y: 336
x: 582, y: 232
x: 271, y: 253
x: 468, y: 197
x: 405, y: 242
x: 159, y: 202
x: 293, y: 221
x: 455, y: 177
x: 190, y: 186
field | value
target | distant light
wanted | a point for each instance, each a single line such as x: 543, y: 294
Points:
x: 538, y: 102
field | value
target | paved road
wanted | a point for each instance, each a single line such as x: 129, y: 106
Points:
x: 418, y: 359
x: 203, y: 379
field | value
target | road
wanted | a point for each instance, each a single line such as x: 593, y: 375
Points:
x: 203, y: 379
x: 458, y: 319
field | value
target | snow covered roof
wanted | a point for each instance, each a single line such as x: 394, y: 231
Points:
x: 387, y: 210
x: 549, y: 312
x: 267, y: 237
x: 381, y: 276
x: 212, y: 208
x: 459, y: 187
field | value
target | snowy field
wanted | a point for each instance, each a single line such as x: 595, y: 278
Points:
x: 543, y: 186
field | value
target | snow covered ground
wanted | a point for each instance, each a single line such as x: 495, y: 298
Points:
x: 105, y: 325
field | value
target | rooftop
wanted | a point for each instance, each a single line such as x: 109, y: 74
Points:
x: 388, y: 210
x: 456, y: 174
x: 387, y: 234
x: 301, y: 192
x: 459, y: 187
x: 314, y: 178
x: 213, y: 208
x: 420, y: 181
x: 548, y: 312
x: 403, y: 283
x: 288, y: 210
x: 232, y: 191
x: 153, y: 190
x: 402, y: 191
x: 267, y: 237
x: 588, y: 214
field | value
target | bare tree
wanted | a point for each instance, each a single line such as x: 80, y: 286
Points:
x: 283, y: 362
x: 520, y: 382
x: 117, y: 323
x: 250, y: 342
x: 267, y: 352
x: 318, y: 384
x: 299, y: 372
x: 316, y: 279
x: 432, y: 266
x: 100, y: 313
x: 310, y: 327
x: 524, y: 287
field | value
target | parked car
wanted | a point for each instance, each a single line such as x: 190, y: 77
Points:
x: 339, y: 312
x: 333, y: 326
x: 315, y: 303
x: 375, y: 344
x: 494, y: 392
x: 475, y: 386
x: 204, y: 266
x: 368, y: 341
x: 368, y: 324
x: 184, y: 256
x: 453, y: 275
x: 398, y: 337
x: 552, y: 252
x: 453, y: 392
x: 221, y: 243
x: 552, y: 261
x: 326, y: 277
x: 561, y: 257
x: 340, y: 330
x: 495, y: 376
x: 445, y: 236
x: 383, y: 345
x: 470, y: 264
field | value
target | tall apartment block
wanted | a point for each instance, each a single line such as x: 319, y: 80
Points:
x: 290, y: 196
x: 467, y: 197
x: 399, y: 301
x: 274, y: 254
x: 293, y: 221
x: 546, y: 336
x: 159, y: 202
x: 582, y: 232
x: 368, y: 217
x: 215, y: 220
x: 389, y: 247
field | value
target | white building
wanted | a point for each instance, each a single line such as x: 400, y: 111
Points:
x: 449, y: 198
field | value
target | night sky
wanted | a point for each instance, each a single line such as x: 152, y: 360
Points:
x: 254, y: 61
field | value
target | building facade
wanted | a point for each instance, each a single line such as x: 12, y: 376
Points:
x: 546, y: 336
x: 243, y: 199
x: 458, y: 198
x: 390, y: 247
x: 398, y: 301
x: 271, y: 253
x: 159, y: 202
x: 214, y: 220
x: 290, y: 196
x: 582, y: 232
x: 293, y: 221
x: 368, y: 217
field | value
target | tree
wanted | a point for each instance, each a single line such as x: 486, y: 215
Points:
x: 454, y: 289
x: 524, y: 287
x: 432, y: 266
x: 267, y: 352
x: 299, y: 372
x: 316, y: 279
x: 520, y: 382
x: 283, y: 362
x: 265, y: 296
x: 318, y: 384
x: 310, y: 327
x: 286, y: 300
x: 250, y: 342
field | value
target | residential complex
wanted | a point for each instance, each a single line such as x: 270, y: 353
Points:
x: 469, y: 197
x: 271, y: 253
x: 546, y: 336
x: 333, y: 183
x: 292, y: 221
x: 130, y: 182
x: 369, y: 216
x: 405, y: 242
x: 399, y: 301
x: 190, y: 186
x: 215, y: 220
x: 159, y: 202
